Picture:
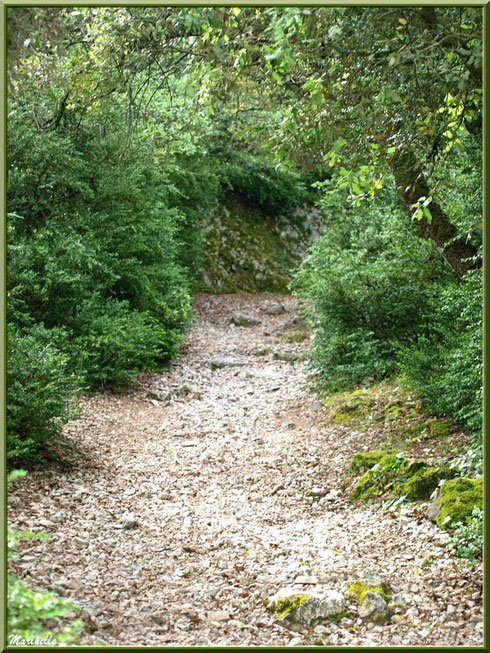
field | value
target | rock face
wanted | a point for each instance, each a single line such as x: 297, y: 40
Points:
x: 306, y: 609
x: 217, y: 363
x: 241, y: 320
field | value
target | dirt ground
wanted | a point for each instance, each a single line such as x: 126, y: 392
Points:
x: 186, y: 502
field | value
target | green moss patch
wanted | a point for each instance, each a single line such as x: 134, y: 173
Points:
x: 395, y: 474
x: 438, y: 429
x: 294, y: 336
x: 364, y: 460
x: 422, y: 482
x: 394, y: 409
x: 285, y: 605
x: 359, y: 588
x: 347, y: 407
x: 459, y: 497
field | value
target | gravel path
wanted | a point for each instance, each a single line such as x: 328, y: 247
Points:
x: 174, y: 519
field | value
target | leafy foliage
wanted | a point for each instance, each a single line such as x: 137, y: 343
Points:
x: 445, y: 364
x: 467, y: 537
x: 33, y: 615
x: 119, y: 152
x: 271, y: 190
x: 40, y: 389
x: 368, y: 278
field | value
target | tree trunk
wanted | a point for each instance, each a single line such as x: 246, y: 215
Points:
x: 410, y: 187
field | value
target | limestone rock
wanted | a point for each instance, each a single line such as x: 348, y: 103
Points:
x: 374, y: 608
x: 160, y: 395
x: 183, y: 390
x: 238, y: 319
x: 261, y: 350
x: 306, y: 608
x: 129, y: 521
x: 296, y: 322
x: 434, y: 508
x: 287, y: 356
x: 397, y: 601
x: 274, y: 309
x: 372, y: 595
x: 218, y: 363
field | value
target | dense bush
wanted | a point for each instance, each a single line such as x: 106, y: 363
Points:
x: 98, y: 289
x: 40, y: 388
x: 383, y: 302
x: 261, y: 184
x: 369, y: 281
x: 104, y: 242
x: 445, y: 365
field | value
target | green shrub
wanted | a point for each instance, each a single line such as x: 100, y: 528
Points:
x: 115, y: 343
x: 40, y: 389
x: 262, y: 184
x: 368, y: 279
x: 37, y: 616
x: 109, y: 273
x: 445, y: 364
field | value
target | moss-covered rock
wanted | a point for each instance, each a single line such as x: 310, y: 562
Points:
x: 458, y: 498
x: 438, y: 429
x: 294, y: 336
x: 364, y: 460
x: 284, y: 605
x: 422, y: 482
x: 394, y: 409
x: 359, y: 588
x: 414, y: 479
x: 377, y: 480
x: 373, y: 598
x: 306, y: 609
x: 348, y: 407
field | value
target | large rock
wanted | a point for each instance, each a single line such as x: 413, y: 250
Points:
x: 306, y: 608
x: 374, y: 608
x: 219, y: 362
x: 434, y: 508
x: 274, y: 309
x: 238, y: 319
x: 372, y: 595
x: 296, y: 322
x: 287, y: 356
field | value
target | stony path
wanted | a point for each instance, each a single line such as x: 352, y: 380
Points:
x: 180, y: 516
